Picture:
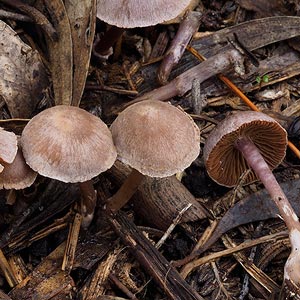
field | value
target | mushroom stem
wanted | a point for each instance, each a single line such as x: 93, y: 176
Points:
x: 88, y: 202
x: 103, y: 45
x: 126, y: 191
x: 256, y: 161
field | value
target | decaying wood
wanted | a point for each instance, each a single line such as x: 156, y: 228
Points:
x: 159, y: 200
x: 152, y: 260
x: 7, y: 271
x: 97, y: 285
x: 19, y: 233
x: 72, y: 240
x: 47, y: 281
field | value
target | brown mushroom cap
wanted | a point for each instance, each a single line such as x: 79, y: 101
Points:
x: 68, y: 144
x: 8, y: 146
x: 139, y: 13
x: 225, y: 164
x: 156, y: 138
x: 17, y: 175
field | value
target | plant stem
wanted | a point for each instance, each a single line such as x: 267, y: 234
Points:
x: 126, y: 191
x: 187, y: 28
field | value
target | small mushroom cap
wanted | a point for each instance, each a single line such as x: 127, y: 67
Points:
x: 17, y: 175
x: 156, y: 138
x: 225, y: 164
x: 68, y: 143
x: 8, y: 146
x: 139, y: 13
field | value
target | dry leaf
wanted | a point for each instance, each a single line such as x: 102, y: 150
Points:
x: 23, y: 77
x: 82, y: 16
x: 61, y: 53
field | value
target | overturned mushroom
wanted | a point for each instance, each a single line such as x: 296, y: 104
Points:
x: 71, y: 145
x: 155, y: 139
x: 256, y: 142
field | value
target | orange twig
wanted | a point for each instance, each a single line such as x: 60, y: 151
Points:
x: 239, y: 93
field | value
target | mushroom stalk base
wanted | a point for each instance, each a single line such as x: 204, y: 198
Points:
x: 126, y: 191
x: 104, y: 44
x: 262, y: 170
x: 88, y: 202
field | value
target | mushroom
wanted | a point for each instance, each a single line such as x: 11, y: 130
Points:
x: 155, y: 139
x: 131, y: 14
x: 8, y: 147
x: 17, y: 175
x: 69, y: 144
x: 255, y: 141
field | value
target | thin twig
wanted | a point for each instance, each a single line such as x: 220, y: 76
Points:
x: 245, y: 245
x: 172, y: 226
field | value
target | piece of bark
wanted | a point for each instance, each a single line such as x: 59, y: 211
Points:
x: 159, y: 200
x: 168, y: 279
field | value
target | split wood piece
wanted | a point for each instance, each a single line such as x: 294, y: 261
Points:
x: 143, y: 135
x: 69, y: 255
x: 7, y: 271
x: 96, y: 287
x: 158, y: 200
x: 168, y: 279
x: 18, y: 267
x: 46, y: 281
x: 188, y: 26
x: 22, y: 231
